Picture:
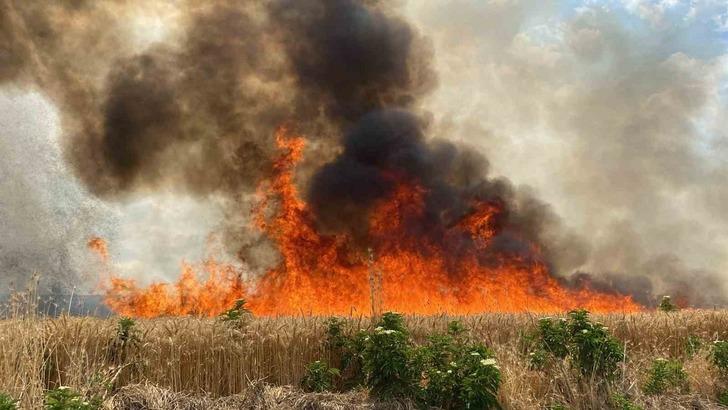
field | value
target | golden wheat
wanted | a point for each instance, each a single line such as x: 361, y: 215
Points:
x: 208, y: 358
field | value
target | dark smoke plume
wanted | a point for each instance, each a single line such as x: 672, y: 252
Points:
x: 197, y: 111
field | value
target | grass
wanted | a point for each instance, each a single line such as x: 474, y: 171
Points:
x: 208, y: 361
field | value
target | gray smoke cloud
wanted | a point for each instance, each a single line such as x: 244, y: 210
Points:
x: 611, y: 117
x: 605, y: 122
x: 45, y: 218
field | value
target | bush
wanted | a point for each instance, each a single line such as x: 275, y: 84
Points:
x: 589, y: 346
x: 723, y: 398
x: 693, y: 345
x: 554, y: 336
x: 238, y: 316
x: 666, y: 375
x: 719, y: 356
x: 349, y: 350
x: 622, y: 402
x: 64, y: 398
x: 457, y: 374
x: 666, y: 305
x: 7, y: 402
x: 319, y: 377
x: 388, y: 359
x: 446, y: 372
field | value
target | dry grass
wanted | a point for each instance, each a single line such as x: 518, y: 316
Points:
x: 184, y: 363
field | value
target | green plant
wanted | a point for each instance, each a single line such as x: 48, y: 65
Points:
x: 125, y: 330
x: 554, y: 336
x: 622, y: 402
x: 456, y: 374
x: 64, y: 398
x: 592, y: 348
x: 348, y: 350
x: 238, y: 316
x: 719, y: 356
x: 538, y: 359
x: 666, y: 305
x: 666, y: 375
x: 693, y: 345
x: 319, y: 377
x: 7, y: 402
x: 589, y: 346
x: 126, y: 336
x: 388, y: 359
x: 723, y: 398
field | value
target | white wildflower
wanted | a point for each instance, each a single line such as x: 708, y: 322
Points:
x: 453, y: 364
x: 488, y: 362
x: 585, y: 331
x: 475, y: 354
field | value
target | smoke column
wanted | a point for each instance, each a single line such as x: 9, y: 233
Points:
x: 197, y: 112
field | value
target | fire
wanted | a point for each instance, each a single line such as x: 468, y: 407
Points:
x: 403, y: 267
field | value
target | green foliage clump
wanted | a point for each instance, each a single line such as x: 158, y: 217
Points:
x: 446, y: 372
x: 349, y: 349
x: 589, y: 346
x: 666, y: 305
x: 723, y: 398
x: 127, y: 337
x: 693, y: 345
x: 7, y: 402
x: 622, y: 402
x: 719, y: 356
x: 388, y: 358
x: 554, y: 336
x: 457, y: 374
x: 319, y: 377
x: 64, y: 398
x: 666, y: 375
x: 238, y: 316
x: 125, y: 330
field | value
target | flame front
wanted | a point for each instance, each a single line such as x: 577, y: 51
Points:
x: 455, y: 271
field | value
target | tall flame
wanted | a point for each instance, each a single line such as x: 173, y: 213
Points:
x: 325, y: 274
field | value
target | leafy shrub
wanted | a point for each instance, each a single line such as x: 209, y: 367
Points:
x: 64, y: 398
x: 538, y: 359
x: 666, y: 305
x: 457, y: 374
x: 719, y: 356
x: 445, y: 372
x: 125, y: 330
x: 7, y: 402
x: 388, y: 358
x: 666, y: 375
x: 127, y: 336
x: 693, y: 345
x: 319, y: 377
x: 554, y: 336
x: 589, y: 346
x: 622, y: 402
x: 238, y: 316
x: 480, y: 378
x: 723, y: 398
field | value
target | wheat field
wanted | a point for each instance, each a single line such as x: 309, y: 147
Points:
x: 196, y: 363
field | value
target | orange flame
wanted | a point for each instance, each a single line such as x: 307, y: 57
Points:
x: 324, y: 274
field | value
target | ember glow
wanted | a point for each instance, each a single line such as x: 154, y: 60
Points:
x: 396, y: 267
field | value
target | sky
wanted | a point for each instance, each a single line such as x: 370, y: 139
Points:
x: 612, y: 112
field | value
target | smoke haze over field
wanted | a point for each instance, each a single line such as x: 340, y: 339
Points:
x: 604, y: 119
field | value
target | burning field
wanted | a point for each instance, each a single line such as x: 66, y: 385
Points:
x: 406, y: 263
x: 398, y: 194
